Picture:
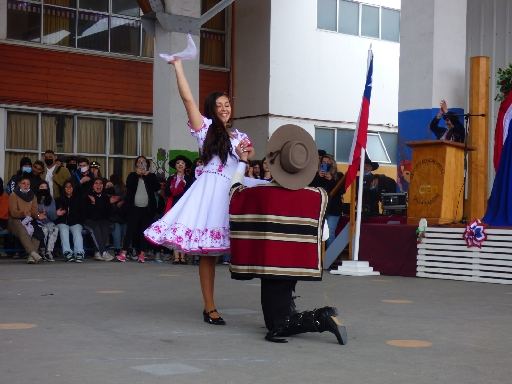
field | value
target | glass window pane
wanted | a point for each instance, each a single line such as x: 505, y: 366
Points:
x: 57, y: 133
x: 12, y: 163
x: 124, y: 36
x: 391, y: 143
x: 123, y: 137
x: 324, y: 139
x: 94, y: 5
x: 348, y: 18
x: 59, y: 26
x: 212, y: 49
x: 92, y: 31
x: 390, y: 29
x: 217, y: 22
x: 126, y: 7
x: 148, y: 44
x: 91, y: 135
x: 23, y: 21
x: 326, y: 14
x: 370, y: 21
x: 344, y: 144
x: 21, y: 131
x: 375, y: 149
x: 62, y: 3
x: 121, y: 167
x: 146, y: 139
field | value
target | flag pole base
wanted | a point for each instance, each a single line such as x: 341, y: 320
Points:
x: 355, y: 268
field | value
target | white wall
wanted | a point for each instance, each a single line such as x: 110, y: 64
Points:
x: 320, y: 75
x: 3, y: 19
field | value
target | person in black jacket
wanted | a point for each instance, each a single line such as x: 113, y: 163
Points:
x: 140, y: 206
x: 97, y: 207
x: 70, y: 218
x: 328, y: 177
x: 454, y: 130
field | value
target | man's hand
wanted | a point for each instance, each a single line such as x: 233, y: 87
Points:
x: 328, y: 176
x: 85, y: 179
x: 91, y: 197
x: 444, y: 106
x: 61, y: 212
x: 321, y: 173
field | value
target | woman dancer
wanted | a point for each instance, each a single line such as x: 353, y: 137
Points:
x: 199, y: 223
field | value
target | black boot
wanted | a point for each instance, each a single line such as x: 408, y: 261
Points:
x: 319, y: 320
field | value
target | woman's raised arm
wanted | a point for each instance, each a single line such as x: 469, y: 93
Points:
x: 194, y: 116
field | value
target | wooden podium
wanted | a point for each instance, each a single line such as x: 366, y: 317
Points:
x: 437, y: 178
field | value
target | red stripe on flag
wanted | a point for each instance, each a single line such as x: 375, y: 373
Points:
x: 499, y: 132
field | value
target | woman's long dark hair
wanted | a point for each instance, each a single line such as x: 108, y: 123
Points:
x: 47, y: 200
x: 217, y: 141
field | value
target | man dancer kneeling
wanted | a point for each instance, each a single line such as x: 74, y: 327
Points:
x: 276, y: 233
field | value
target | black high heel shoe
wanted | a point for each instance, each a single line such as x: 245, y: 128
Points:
x: 212, y: 320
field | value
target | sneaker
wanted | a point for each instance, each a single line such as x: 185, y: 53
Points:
x: 69, y: 256
x: 121, y: 257
x: 43, y: 254
x: 80, y: 257
x: 117, y: 251
x: 225, y: 262
x: 141, y: 258
x: 132, y: 254
x: 97, y: 256
x: 16, y: 255
x: 33, y: 258
x: 49, y: 257
x: 107, y: 256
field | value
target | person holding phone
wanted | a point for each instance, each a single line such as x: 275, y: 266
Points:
x: 327, y: 177
x: 140, y: 205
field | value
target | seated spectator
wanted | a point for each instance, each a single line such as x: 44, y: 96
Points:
x: 175, y: 188
x: 328, y: 177
x: 53, y: 174
x: 256, y: 169
x: 25, y: 167
x: 71, y: 163
x: 35, y: 175
x: 97, y: 207
x: 70, y: 218
x: 82, y: 178
x: 4, y: 207
x: 140, y: 203
x: 46, y: 206
x: 117, y: 218
x: 23, y: 216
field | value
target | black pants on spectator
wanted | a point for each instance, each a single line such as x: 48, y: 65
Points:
x: 276, y: 299
x: 100, y: 231
x: 138, y: 220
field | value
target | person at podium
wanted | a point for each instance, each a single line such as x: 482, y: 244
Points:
x: 454, y: 130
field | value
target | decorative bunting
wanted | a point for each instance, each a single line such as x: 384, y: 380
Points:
x: 475, y: 234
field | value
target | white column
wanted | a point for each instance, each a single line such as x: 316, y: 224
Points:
x: 3, y: 129
x: 169, y: 116
x: 3, y: 19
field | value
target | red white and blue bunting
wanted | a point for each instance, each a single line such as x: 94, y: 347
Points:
x: 475, y: 234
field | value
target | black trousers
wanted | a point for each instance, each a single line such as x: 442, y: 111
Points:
x: 100, y: 231
x: 138, y: 220
x: 276, y: 298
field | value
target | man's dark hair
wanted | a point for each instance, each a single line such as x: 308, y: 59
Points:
x: 40, y: 163
x: 49, y: 151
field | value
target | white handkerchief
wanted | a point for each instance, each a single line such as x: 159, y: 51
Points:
x: 188, y: 54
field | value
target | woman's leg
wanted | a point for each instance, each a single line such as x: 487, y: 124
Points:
x: 43, y: 245
x: 116, y: 236
x: 145, y: 221
x: 53, y: 234
x: 78, y: 239
x: 131, y: 225
x: 207, y: 280
x: 94, y: 229
x: 332, y: 222
x: 64, y: 237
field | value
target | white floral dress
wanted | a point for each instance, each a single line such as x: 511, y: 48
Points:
x: 199, y: 223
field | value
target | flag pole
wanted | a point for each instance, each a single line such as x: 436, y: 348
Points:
x: 355, y: 256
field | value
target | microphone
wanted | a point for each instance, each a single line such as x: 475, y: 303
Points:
x: 464, y: 114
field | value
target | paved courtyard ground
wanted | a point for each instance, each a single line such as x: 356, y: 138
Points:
x: 108, y: 322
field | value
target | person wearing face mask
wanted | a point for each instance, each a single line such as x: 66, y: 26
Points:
x: 23, y: 216
x: 46, y: 206
x: 25, y: 168
x: 71, y: 163
x: 328, y: 177
x: 53, y: 174
x: 141, y: 208
x: 81, y: 178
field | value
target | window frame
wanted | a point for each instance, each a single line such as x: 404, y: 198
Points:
x: 360, y: 5
x: 39, y: 152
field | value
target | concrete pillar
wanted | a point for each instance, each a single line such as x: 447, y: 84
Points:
x: 170, y: 131
x: 432, y: 67
x: 3, y: 19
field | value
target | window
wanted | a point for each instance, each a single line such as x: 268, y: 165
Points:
x: 213, y: 37
x: 359, y: 19
x: 381, y: 146
x: 59, y: 133
x: 100, y: 25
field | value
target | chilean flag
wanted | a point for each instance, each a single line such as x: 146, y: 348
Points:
x: 361, y: 133
x: 503, y: 125
x: 499, y: 207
